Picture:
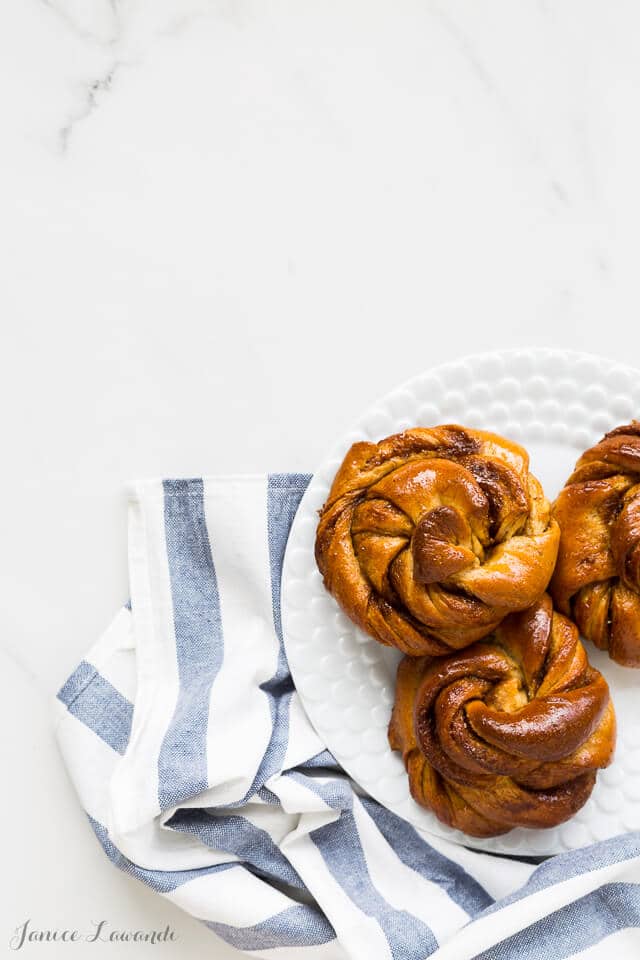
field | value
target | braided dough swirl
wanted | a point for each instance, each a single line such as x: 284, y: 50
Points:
x: 597, y: 578
x: 431, y: 537
x: 508, y: 732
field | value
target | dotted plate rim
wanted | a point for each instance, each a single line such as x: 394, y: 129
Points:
x: 556, y: 403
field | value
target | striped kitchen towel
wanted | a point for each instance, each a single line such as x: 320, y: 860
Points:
x: 202, y: 777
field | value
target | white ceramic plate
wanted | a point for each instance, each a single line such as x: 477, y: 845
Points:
x: 556, y: 404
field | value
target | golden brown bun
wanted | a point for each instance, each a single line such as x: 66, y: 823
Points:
x: 431, y: 537
x: 597, y: 577
x: 508, y: 732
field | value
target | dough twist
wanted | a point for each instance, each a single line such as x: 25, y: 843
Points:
x: 431, y: 537
x: 597, y: 577
x: 508, y: 732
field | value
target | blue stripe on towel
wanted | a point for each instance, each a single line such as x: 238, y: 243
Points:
x: 567, y: 865
x: 163, y: 881
x: 97, y: 704
x: 284, y: 493
x: 339, y: 843
x: 573, y: 928
x: 408, y: 846
x: 417, y: 854
x: 242, y: 838
x: 321, y: 760
x: 337, y: 793
x: 299, y: 926
x: 182, y: 762
x: 267, y: 796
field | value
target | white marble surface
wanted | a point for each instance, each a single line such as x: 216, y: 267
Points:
x: 226, y: 227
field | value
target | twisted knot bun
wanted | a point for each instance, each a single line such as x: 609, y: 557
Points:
x: 597, y: 578
x: 509, y: 732
x: 430, y: 538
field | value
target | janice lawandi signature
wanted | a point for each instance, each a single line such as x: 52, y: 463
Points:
x: 101, y: 932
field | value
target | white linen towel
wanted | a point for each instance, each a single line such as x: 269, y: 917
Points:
x: 201, y: 775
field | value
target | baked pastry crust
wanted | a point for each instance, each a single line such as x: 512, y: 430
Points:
x: 597, y: 577
x: 431, y: 537
x: 508, y: 732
